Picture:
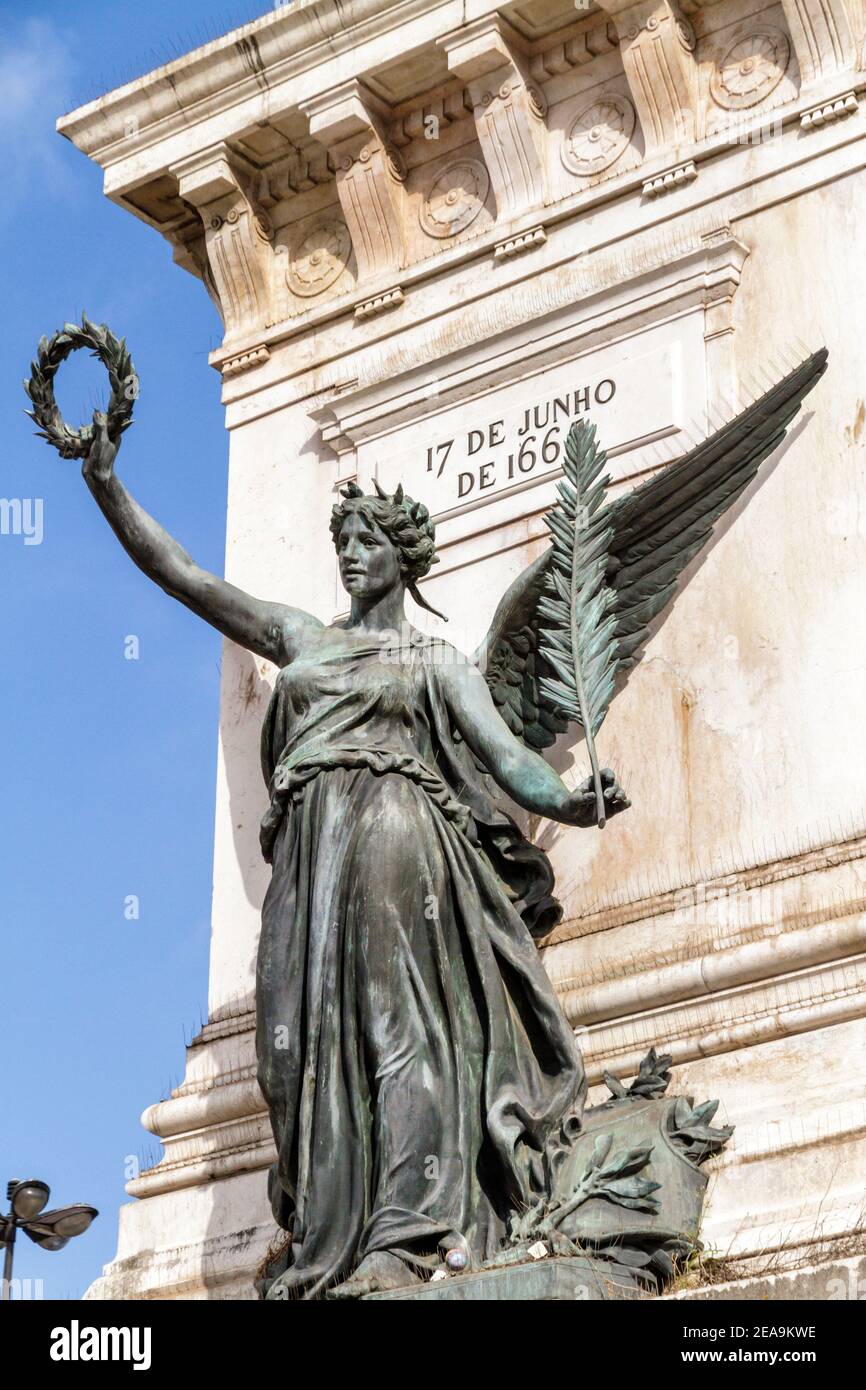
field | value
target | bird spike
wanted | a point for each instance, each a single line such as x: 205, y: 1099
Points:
x: 381, y: 492
x: 803, y: 349
x: 777, y: 362
x: 752, y: 385
x: 791, y: 357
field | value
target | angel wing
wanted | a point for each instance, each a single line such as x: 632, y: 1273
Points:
x: 657, y: 529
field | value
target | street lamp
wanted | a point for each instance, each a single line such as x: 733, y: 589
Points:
x: 49, y: 1229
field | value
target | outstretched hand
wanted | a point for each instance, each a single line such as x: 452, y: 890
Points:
x: 580, y: 809
x: 99, y: 464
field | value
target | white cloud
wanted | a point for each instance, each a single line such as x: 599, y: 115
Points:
x: 36, y: 70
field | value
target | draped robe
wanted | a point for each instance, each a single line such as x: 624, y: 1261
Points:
x: 412, y: 1053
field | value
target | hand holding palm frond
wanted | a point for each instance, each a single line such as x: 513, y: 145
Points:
x: 642, y: 542
x: 577, y: 607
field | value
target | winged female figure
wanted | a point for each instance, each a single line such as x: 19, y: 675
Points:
x: 414, y: 1059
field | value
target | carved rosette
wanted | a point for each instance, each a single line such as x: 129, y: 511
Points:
x: 454, y: 198
x: 318, y: 257
x: 599, y: 135
x: 750, y: 69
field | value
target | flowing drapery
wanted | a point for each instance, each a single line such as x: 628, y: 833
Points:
x: 411, y: 1050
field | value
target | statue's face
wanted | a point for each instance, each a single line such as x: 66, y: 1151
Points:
x: 369, y: 563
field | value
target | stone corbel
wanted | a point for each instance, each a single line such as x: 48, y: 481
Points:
x: 823, y: 36
x: 189, y: 251
x: 237, y: 238
x: 509, y: 110
x: 657, y: 46
x: 351, y: 124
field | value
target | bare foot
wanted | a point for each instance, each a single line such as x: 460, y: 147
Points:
x: 374, y: 1274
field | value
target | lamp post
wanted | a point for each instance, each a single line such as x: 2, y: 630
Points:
x: 49, y: 1229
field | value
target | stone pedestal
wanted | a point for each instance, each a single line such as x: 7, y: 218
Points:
x: 435, y: 243
x: 547, y: 1281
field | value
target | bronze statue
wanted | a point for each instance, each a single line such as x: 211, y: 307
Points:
x: 424, y: 1087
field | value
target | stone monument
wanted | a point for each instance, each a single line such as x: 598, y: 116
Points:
x: 438, y: 238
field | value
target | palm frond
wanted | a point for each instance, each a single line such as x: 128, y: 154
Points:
x: 578, y: 640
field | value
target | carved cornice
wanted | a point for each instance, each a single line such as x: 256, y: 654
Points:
x: 237, y: 237
x: 380, y: 303
x: 657, y: 47
x: 573, y: 52
x: 296, y: 173
x: 496, y: 74
x: 523, y: 241
x: 822, y: 32
x: 719, y: 883
x: 220, y: 77
x: 252, y: 357
x: 352, y: 125
x: 825, y: 112
x: 670, y: 179
x: 432, y: 115
x: 816, y: 998
x: 701, y: 975
x: 509, y: 110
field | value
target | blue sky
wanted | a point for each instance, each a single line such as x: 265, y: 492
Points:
x: 108, y: 764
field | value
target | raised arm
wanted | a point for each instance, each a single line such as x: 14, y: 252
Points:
x: 524, y: 775
x: 271, y: 630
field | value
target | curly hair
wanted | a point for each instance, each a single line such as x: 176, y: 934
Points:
x: 405, y: 522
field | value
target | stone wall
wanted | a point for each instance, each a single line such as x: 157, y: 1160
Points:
x: 436, y: 232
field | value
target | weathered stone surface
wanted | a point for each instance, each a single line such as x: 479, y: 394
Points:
x: 837, y: 1280
x: 545, y: 1281
x: 721, y: 919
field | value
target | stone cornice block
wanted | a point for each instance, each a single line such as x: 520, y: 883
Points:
x: 204, y: 178
x: 235, y: 256
x: 823, y: 35
x: 282, y: 42
x: 353, y: 125
x: 657, y: 47
x: 481, y: 48
x: 509, y: 111
x: 344, y: 111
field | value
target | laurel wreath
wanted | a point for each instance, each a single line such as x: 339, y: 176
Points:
x: 70, y: 443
